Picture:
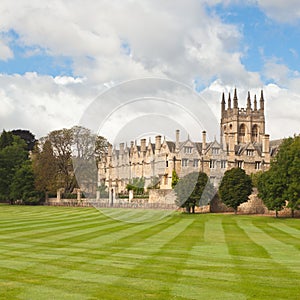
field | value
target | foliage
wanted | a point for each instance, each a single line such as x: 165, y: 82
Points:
x: 77, y: 151
x: 282, y: 182
x: 136, y: 185
x: 6, y: 139
x: 192, y: 190
x: 22, y: 186
x: 45, y: 169
x: 12, y: 156
x: 271, y: 191
x: 27, y: 136
x: 175, y: 179
x: 103, y: 190
x: 235, y: 188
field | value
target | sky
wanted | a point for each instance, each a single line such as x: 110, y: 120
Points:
x: 57, y: 57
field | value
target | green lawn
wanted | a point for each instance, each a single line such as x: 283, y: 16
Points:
x: 79, y: 253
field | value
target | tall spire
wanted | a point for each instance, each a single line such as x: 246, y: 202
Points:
x: 262, y: 101
x: 248, y: 101
x: 223, y: 102
x: 229, y: 101
x: 235, y: 99
x: 255, y: 103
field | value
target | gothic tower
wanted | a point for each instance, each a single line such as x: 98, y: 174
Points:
x: 241, y: 125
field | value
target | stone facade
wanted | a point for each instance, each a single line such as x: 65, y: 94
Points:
x: 243, y: 143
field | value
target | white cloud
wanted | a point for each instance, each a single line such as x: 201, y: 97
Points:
x: 281, y: 10
x: 40, y: 103
x: 5, y: 51
x: 172, y: 38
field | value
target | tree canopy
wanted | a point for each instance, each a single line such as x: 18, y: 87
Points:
x: 235, y: 188
x: 282, y: 182
x: 12, y: 156
x: 192, y: 190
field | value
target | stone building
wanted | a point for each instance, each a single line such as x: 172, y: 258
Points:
x: 243, y: 143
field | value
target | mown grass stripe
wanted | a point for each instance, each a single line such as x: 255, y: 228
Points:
x: 73, y: 256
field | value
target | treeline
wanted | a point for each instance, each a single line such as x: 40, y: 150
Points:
x: 32, y: 169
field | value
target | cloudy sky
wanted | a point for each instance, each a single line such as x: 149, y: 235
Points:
x: 56, y: 57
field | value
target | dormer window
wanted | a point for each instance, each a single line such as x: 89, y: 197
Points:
x: 187, y: 150
x: 250, y: 152
x: 215, y: 150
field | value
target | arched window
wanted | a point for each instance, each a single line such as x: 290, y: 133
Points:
x: 242, y: 133
x: 254, y: 133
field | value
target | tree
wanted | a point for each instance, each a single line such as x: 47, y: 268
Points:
x: 61, y: 142
x: 6, y: 139
x: 12, y: 156
x: 22, y: 186
x: 192, y: 190
x: 136, y: 185
x: 45, y: 169
x: 27, y: 136
x: 77, y: 151
x: 235, y: 188
x: 271, y: 191
x: 282, y: 182
x: 175, y: 179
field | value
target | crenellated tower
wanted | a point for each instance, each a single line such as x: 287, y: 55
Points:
x: 242, y: 125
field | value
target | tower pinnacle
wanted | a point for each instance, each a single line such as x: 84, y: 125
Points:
x: 229, y: 101
x: 235, y: 99
x: 262, y: 101
x: 248, y: 101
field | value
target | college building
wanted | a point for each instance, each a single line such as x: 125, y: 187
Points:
x: 243, y: 143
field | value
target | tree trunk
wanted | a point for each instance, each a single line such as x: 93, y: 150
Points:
x: 276, y: 213
x: 193, y: 209
x: 293, y: 212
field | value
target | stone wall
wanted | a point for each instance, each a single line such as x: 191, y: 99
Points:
x: 162, y: 196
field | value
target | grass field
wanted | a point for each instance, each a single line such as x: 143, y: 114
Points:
x: 79, y: 253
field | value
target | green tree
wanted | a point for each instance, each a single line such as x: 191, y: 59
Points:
x: 175, y: 179
x: 22, y: 186
x: 271, y: 190
x: 27, y: 136
x: 235, y: 188
x: 12, y: 156
x: 6, y: 139
x: 282, y: 182
x: 193, y: 190
x: 136, y: 185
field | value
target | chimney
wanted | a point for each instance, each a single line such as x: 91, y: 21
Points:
x: 109, y: 150
x: 121, y: 148
x: 266, y: 144
x: 157, y: 142
x: 177, y: 139
x: 203, y: 141
x: 143, y: 145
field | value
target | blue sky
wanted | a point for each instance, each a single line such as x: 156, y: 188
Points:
x: 61, y: 55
